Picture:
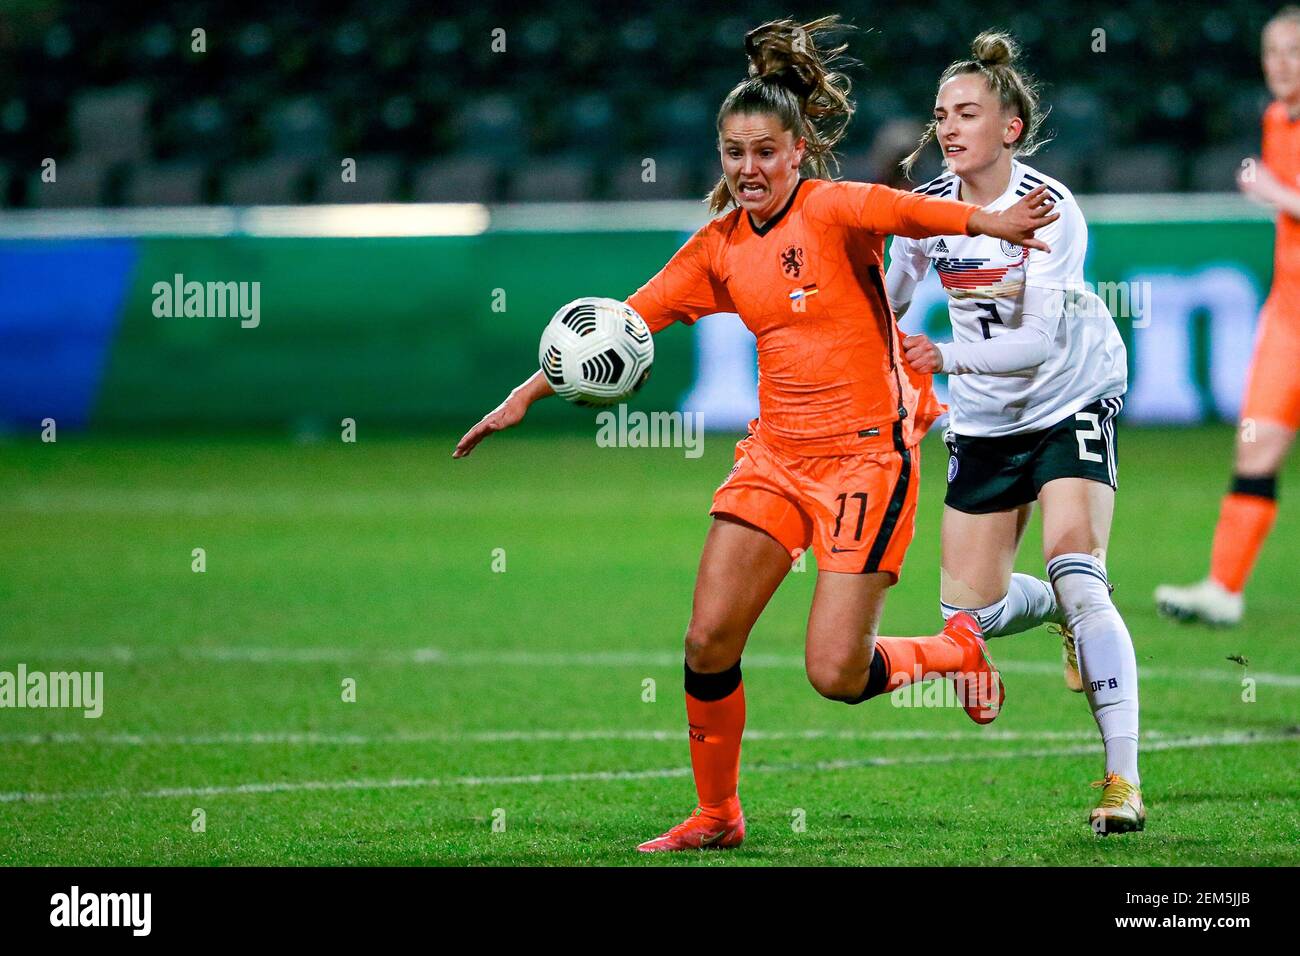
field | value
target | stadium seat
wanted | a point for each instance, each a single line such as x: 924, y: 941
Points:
x: 300, y: 127
x: 78, y: 182
x: 1077, y: 121
x: 456, y: 179
x: 200, y: 128
x: 1139, y: 170
x: 1246, y: 106
x: 166, y: 184
x: 682, y: 122
x: 112, y: 124
x: 1215, y: 170
x: 556, y: 180
x: 672, y: 179
x: 879, y: 107
x: 858, y: 167
x: 288, y: 84
x: 1061, y: 164
x: 275, y: 180
x: 491, y: 126
x: 378, y: 179
x: 589, y: 122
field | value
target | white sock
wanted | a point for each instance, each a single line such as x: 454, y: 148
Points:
x: 1028, y: 603
x: 1107, y: 662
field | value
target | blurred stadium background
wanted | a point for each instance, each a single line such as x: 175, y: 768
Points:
x: 416, y: 93
x: 500, y: 157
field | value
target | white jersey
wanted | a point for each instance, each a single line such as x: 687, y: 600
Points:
x: 989, y: 282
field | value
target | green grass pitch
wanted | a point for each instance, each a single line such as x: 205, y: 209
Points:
x: 501, y: 717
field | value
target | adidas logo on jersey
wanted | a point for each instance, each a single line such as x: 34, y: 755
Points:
x: 941, y: 247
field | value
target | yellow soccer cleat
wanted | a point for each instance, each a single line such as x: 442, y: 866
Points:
x: 1121, y: 809
x: 1069, y: 657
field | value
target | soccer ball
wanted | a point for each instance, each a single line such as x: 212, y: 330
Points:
x: 596, y: 351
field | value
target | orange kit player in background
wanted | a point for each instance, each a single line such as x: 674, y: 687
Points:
x: 1270, y: 413
x: 832, y: 461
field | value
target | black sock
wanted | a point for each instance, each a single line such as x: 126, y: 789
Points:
x: 712, y: 686
x: 1258, y: 486
x: 876, y: 679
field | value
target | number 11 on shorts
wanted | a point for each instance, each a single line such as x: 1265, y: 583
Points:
x: 842, y: 498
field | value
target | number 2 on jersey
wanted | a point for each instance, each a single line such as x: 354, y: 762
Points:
x: 992, y: 309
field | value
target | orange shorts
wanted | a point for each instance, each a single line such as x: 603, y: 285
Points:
x: 1273, y: 384
x: 857, y: 511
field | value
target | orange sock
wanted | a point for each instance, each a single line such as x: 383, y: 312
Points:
x: 910, y: 659
x: 1244, y: 523
x: 716, y: 727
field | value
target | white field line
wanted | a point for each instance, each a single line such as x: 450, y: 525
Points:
x: 263, y: 503
x: 515, y: 658
x: 314, y: 738
x: 399, y: 783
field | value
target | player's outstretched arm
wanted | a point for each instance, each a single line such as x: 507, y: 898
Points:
x: 508, y: 413
x: 1016, y: 223
x: 887, y: 211
x: 1259, y: 183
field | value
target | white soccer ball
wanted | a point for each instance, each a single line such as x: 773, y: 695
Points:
x: 596, y: 351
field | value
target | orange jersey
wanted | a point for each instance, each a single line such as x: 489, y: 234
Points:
x: 1281, y: 153
x: 808, y: 284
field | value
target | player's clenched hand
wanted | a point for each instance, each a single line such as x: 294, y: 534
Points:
x: 508, y: 413
x: 1017, y: 223
x: 922, y: 354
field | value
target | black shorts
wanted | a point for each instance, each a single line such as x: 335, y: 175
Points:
x: 998, y: 474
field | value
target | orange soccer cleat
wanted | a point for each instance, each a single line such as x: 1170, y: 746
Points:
x: 700, y: 832
x: 979, y: 688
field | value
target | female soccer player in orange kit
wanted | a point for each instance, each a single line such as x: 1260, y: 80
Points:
x: 833, y: 458
x: 1270, y: 413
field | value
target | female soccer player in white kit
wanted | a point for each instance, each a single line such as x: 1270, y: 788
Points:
x: 1037, y: 374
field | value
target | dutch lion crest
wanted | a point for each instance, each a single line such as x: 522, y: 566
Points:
x: 792, y: 261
